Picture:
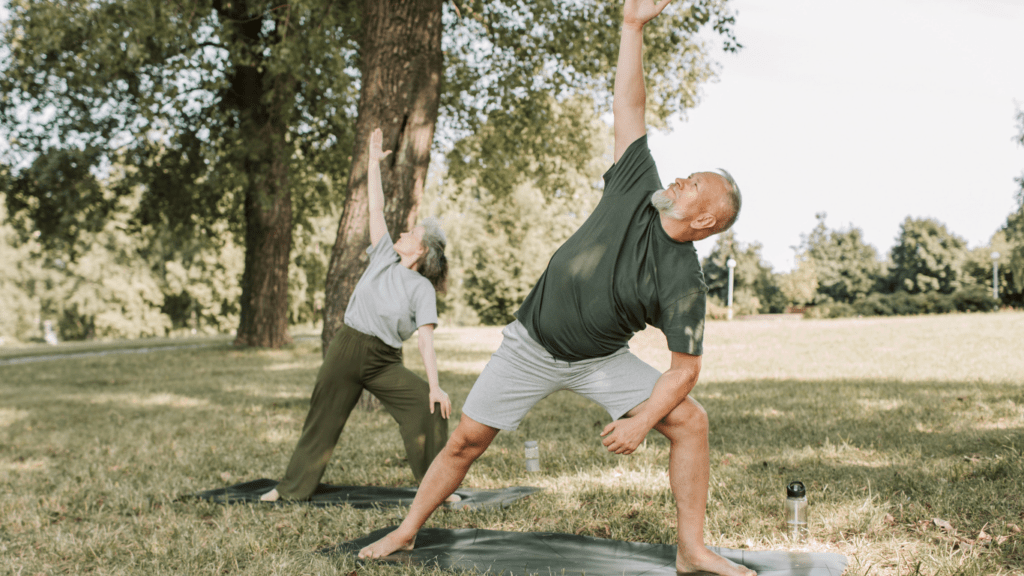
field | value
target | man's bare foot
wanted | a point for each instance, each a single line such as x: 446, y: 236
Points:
x: 707, y: 562
x: 271, y: 496
x: 388, y: 545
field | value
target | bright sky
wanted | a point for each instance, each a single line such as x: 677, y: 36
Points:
x: 869, y: 110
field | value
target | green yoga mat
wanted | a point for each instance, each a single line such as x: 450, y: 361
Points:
x: 546, y: 553
x: 363, y: 496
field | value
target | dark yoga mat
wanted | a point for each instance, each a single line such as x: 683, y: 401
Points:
x: 549, y: 553
x: 364, y: 496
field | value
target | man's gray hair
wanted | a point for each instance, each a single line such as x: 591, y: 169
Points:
x: 734, y: 200
x: 433, y: 265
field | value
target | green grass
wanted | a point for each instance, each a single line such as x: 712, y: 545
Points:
x: 891, y: 424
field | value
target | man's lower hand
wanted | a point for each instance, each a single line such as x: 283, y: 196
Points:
x: 625, y: 435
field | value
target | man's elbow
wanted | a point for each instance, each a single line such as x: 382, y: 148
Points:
x: 684, y: 378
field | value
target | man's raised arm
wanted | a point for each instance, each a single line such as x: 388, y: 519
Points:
x: 630, y: 98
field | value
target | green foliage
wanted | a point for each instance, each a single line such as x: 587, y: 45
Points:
x: 199, y: 279
x: 163, y: 88
x: 520, y: 233
x: 170, y: 87
x: 131, y: 281
x: 311, y: 251
x: 20, y: 276
x: 505, y: 216
x: 59, y: 197
x: 755, y: 288
x: 522, y: 58
x: 845, y: 267
x: 901, y: 303
x: 800, y: 285
x: 927, y: 258
x: 189, y: 111
x: 1012, y: 253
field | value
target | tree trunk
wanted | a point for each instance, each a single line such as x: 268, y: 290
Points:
x: 401, y: 86
x: 263, y: 319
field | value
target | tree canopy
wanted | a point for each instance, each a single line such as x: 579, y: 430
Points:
x: 254, y: 114
x: 927, y: 257
x: 754, y: 287
x: 1012, y: 257
x: 845, y: 267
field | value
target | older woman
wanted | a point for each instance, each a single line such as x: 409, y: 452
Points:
x: 395, y: 297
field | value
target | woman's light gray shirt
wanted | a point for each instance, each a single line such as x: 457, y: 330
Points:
x: 390, y: 301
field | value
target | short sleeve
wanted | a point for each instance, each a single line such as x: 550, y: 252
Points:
x: 381, y: 255
x: 683, y: 323
x: 384, y: 247
x: 424, y: 303
x: 635, y: 171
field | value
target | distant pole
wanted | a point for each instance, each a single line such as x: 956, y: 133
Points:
x: 732, y: 266
x: 995, y: 275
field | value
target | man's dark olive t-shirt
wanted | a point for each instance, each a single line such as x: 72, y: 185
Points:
x: 618, y: 273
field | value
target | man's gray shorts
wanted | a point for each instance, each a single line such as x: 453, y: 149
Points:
x: 522, y: 373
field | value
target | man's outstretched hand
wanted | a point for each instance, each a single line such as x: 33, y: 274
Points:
x: 636, y: 13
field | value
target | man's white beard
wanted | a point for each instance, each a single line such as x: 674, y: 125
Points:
x: 663, y: 204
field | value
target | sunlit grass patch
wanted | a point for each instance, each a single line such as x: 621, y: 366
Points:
x: 908, y: 432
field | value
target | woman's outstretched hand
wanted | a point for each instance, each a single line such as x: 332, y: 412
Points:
x: 376, y: 139
x: 438, y: 396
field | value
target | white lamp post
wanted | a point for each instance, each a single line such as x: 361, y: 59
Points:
x: 731, y: 263
x: 995, y: 275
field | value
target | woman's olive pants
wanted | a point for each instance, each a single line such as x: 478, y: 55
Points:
x: 355, y: 361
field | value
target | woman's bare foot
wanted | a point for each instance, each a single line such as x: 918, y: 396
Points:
x: 709, y: 563
x: 388, y: 545
x: 271, y: 496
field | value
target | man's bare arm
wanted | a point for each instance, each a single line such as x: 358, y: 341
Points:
x: 625, y: 435
x: 630, y: 100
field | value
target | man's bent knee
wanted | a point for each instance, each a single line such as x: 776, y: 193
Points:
x: 689, y: 417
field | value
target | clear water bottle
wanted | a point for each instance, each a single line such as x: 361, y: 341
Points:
x: 532, y: 456
x: 796, y: 511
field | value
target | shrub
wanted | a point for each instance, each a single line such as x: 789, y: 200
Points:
x: 974, y: 299
x: 874, y: 305
x: 831, y: 310
x: 969, y: 299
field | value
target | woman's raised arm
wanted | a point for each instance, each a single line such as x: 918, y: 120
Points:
x: 378, y: 227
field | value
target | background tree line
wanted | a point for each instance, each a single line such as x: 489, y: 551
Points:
x: 504, y: 221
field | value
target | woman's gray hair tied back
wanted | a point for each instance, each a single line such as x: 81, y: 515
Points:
x: 433, y: 265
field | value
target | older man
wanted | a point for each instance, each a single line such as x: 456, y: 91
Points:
x: 632, y: 263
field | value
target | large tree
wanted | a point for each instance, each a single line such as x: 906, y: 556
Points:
x: 246, y: 110
x: 509, y: 65
x: 222, y: 110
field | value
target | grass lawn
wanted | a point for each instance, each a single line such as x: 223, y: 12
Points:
x: 908, y: 433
